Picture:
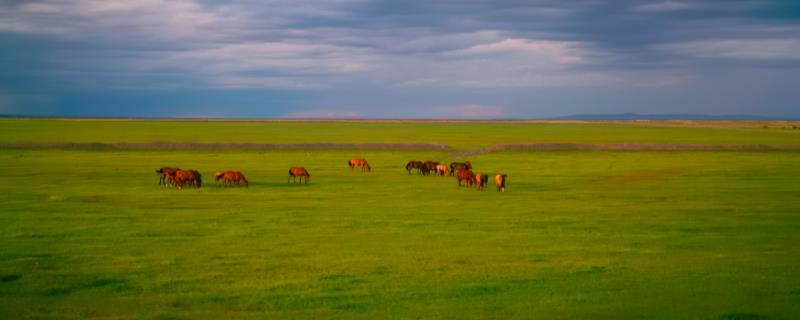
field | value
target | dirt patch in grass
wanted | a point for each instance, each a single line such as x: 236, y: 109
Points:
x: 221, y: 146
x: 160, y: 145
x: 626, y: 147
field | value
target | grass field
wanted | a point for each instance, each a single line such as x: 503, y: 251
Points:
x: 579, y: 234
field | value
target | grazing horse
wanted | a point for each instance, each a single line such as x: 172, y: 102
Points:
x: 182, y: 177
x: 428, y: 167
x: 467, y: 176
x: 231, y: 177
x: 481, y: 179
x: 442, y: 170
x: 218, y: 177
x: 459, y: 166
x: 164, y: 173
x: 500, y: 181
x: 353, y: 163
x: 414, y: 164
x: 301, y: 172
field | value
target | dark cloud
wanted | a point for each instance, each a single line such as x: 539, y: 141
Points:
x: 506, y: 58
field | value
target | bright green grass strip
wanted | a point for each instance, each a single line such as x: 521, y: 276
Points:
x: 664, y: 235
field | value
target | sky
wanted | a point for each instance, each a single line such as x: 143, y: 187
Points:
x: 455, y: 59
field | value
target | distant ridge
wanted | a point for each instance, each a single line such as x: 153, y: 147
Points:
x: 574, y: 117
x: 675, y: 116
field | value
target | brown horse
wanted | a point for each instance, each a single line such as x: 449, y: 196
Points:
x: 414, y: 164
x: 500, y: 181
x: 231, y: 177
x: 442, y: 170
x: 467, y: 176
x: 481, y: 179
x: 164, y: 173
x: 301, y: 172
x: 459, y: 166
x: 192, y: 177
x: 353, y: 163
x: 428, y: 167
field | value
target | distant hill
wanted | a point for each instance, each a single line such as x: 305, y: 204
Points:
x: 676, y: 116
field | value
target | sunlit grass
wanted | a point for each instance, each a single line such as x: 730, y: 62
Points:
x: 708, y: 235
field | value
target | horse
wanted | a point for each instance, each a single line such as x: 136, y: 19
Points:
x: 442, y: 170
x: 481, y: 179
x: 414, y: 164
x: 164, y: 173
x: 466, y: 176
x: 197, y: 181
x: 181, y: 177
x: 458, y: 166
x: 301, y: 172
x: 428, y: 167
x: 500, y: 181
x: 353, y: 163
x: 231, y: 177
x: 218, y: 176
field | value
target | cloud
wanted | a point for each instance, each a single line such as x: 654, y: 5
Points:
x: 746, y: 49
x: 487, y: 53
x: 556, y: 51
x: 467, y: 111
x: 667, y: 6
x: 323, y: 114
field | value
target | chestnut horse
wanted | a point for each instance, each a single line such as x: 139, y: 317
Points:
x: 466, y: 176
x: 414, y: 164
x: 353, y: 163
x: 301, y: 172
x: 500, y: 181
x: 481, y: 179
x: 231, y: 177
x: 458, y: 166
x: 182, y: 177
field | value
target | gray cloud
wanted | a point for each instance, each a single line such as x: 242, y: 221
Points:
x: 479, y: 51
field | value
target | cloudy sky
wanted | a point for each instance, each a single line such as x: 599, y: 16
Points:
x: 398, y: 59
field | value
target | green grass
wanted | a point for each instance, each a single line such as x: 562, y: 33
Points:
x: 457, y: 135
x: 664, y: 235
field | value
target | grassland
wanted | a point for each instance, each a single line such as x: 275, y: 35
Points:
x: 579, y: 234
x: 456, y: 135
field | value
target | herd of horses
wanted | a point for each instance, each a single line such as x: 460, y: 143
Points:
x: 461, y: 170
x: 178, y: 178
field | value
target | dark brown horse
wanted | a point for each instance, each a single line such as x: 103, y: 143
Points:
x: 414, y: 164
x: 301, y: 172
x: 353, y: 163
x: 500, y: 181
x: 481, y: 179
x: 459, y: 166
x: 428, y: 167
x: 466, y: 176
x: 164, y: 173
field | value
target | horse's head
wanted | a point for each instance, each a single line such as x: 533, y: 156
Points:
x: 366, y: 166
x: 218, y: 175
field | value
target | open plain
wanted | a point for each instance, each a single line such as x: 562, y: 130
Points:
x: 704, y: 227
